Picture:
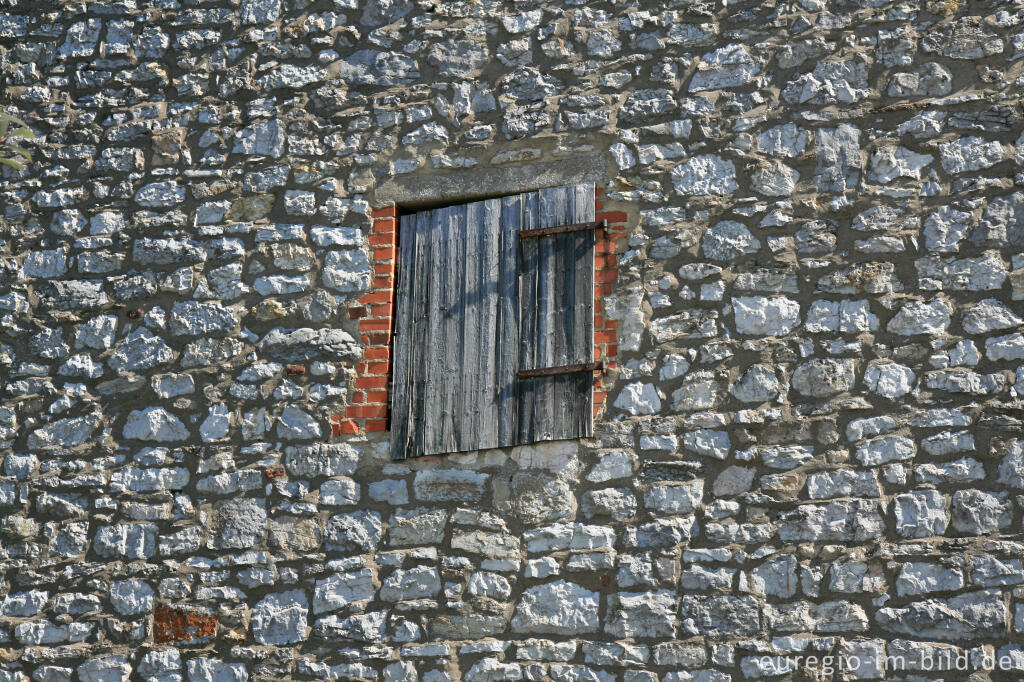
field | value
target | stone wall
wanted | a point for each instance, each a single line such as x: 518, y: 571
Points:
x: 812, y: 440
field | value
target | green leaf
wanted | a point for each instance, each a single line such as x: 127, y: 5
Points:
x: 21, y: 130
x: 14, y: 119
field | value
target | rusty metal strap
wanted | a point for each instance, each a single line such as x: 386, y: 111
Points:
x: 561, y: 369
x: 562, y: 229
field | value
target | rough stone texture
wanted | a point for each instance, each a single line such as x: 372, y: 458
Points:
x: 765, y: 316
x: 558, y: 607
x: 811, y: 441
x: 280, y: 618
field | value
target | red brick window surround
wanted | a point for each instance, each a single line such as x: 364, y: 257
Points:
x: 367, y: 411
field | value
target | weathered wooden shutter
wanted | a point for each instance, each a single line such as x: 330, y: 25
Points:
x: 491, y: 329
x: 556, y: 313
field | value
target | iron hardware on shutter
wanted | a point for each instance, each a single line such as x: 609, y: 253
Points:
x: 561, y: 369
x: 562, y: 229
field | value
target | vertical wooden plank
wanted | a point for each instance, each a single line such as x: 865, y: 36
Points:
x: 401, y: 346
x: 485, y: 398
x: 467, y: 311
x: 433, y: 380
x: 549, y: 392
x: 455, y: 238
x: 566, y: 397
x: 559, y: 328
x: 420, y: 296
x: 583, y: 210
x: 476, y: 418
x: 459, y: 314
x: 408, y: 239
x: 508, y: 320
x: 528, y: 332
x: 568, y: 392
x: 543, y: 394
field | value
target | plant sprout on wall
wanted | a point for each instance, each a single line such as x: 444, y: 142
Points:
x: 11, y: 154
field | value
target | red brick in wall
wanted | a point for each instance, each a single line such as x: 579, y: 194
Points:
x: 606, y: 269
x: 368, y: 404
